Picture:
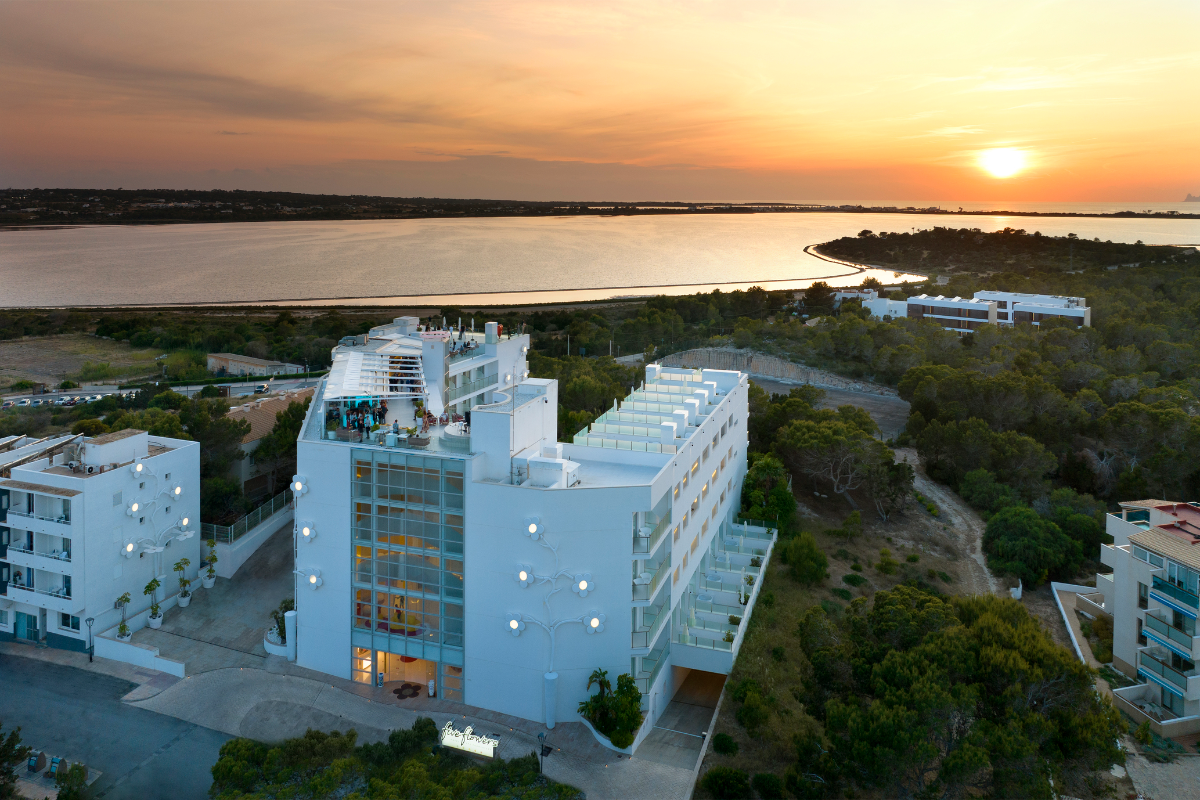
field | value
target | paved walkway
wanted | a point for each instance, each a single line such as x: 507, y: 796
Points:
x: 224, y: 626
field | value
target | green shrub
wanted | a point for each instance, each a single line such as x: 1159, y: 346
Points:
x: 832, y: 610
x: 843, y: 554
x: 945, y: 578
x: 856, y: 567
x: 887, y: 565
x: 767, y: 599
x: 912, y: 558
x: 779, y: 654
x: 734, y: 619
x: 805, y: 558
x: 724, y: 744
x: 854, y: 580
x: 842, y: 594
x: 726, y: 783
x: 622, y: 738
x: 768, y: 786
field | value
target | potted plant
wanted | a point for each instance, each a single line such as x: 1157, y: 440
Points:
x: 185, y: 594
x: 123, y: 632
x: 151, y: 591
x: 278, y: 616
x: 210, y: 576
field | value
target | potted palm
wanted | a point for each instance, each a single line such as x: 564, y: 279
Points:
x: 151, y: 591
x: 123, y: 632
x: 210, y: 575
x: 185, y: 594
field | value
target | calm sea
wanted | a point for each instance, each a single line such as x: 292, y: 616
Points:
x: 465, y: 260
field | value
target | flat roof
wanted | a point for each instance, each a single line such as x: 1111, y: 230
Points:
x: 22, y: 486
x: 115, y: 436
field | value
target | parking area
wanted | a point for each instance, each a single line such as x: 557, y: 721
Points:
x: 224, y: 626
x: 678, y: 736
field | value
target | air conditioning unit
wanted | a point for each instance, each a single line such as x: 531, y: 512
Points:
x: 91, y: 469
x: 74, y: 465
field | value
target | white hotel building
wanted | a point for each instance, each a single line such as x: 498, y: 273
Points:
x: 83, y: 521
x: 505, y: 566
x: 1153, y: 598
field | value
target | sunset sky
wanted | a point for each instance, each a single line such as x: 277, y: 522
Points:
x: 738, y: 101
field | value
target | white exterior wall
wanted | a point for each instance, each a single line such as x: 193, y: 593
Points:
x: 882, y: 307
x: 324, y: 615
x: 98, y: 530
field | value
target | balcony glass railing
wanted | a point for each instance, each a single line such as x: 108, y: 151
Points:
x: 1167, y: 631
x: 652, y: 624
x: 704, y: 642
x: 645, y: 589
x: 1163, y: 670
x: 655, y: 661
x: 646, y: 544
x: 465, y: 389
x: 1175, y: 592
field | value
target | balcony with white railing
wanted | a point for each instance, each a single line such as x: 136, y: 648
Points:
x: 653, y: 621
x: 52, y: 597
x: 58, y: 563
x: 39, y: 523
x: 1158, y: 629
x: 454, y: 393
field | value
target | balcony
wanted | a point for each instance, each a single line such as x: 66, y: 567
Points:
x: 1153, y: 664
x: 1173, y: 596
x: 55, y: 526
x: 645, y: 586
x: 455, y: 392
x: 50, y: 599
x: 651, y: 666
x: 647, y: 538
x: 1163, y: 633
x: 653, y: 620
x: 59, y: 564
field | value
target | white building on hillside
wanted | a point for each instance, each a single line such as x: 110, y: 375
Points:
x: 83, y: 521
x: 1153, y: 598
x: 500, y: 564
x: 959, y: 314
x: 881, y: 307
x: 1015, y: 307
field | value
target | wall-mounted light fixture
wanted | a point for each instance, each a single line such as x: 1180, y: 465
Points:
x: 533, y: 528
x: 129, y: 549
x: 515, y: 624
x: 582, y: 584
x: 524, y: 575
x: 137, y: 468
x: 299, y: 484
x: 593, y: 622
x: 177, y: 491
x: 311, y: 577
x: 132, y: 508
x: 308, y: 531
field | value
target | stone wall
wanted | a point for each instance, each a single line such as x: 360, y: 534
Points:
x: 765, y: 366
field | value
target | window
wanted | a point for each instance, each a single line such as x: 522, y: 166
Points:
x: 685, y: 560
x: 674, y: 579
x: 167, y: 477
x: 69, y: 622
x: 3, y: 617
x: 1141, y: 637
x: 675, y: 535
x: 694, y: 545
x: 1143, y: 596
x: 677, y: 491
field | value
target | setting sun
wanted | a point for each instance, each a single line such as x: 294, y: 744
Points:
x: 1002, y: 162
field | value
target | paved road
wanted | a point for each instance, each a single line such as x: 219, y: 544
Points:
x: 238, y: 390
x: 79, y: 715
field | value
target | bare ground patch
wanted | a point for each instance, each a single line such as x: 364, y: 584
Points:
x: 52, y: 359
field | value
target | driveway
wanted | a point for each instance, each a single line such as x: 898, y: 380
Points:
x: 79, y: 715
x: 223, y: 626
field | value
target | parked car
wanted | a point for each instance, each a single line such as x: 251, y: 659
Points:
x: 23, y: 403
x: 262, y: 388
x: 38, y: 402
x: 7, y: 404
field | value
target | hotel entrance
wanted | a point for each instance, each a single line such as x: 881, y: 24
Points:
x: 405, y: 669
x: 400, y: 671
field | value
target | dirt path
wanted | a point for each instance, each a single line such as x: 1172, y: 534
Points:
x: 965, y: 524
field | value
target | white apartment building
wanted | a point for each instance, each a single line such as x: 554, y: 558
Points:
x: 1153, y: 598
x: 485, y: 556
x: 82, y: 521
x: 1017, y: 307
x: 881, y: 307
x: 959, y: 314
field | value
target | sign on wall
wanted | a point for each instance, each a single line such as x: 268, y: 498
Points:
x: 468, y: 742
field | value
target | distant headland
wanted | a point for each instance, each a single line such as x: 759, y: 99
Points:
x: 71, y: 207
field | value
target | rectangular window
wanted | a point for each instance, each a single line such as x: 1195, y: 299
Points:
x: 69, y: 622
x: 4, y: 616
x: 1141, y: 637
x: 1143, y: 596
x: 674, y: 580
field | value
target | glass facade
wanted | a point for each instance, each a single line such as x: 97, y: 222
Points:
x: 407, y: 530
